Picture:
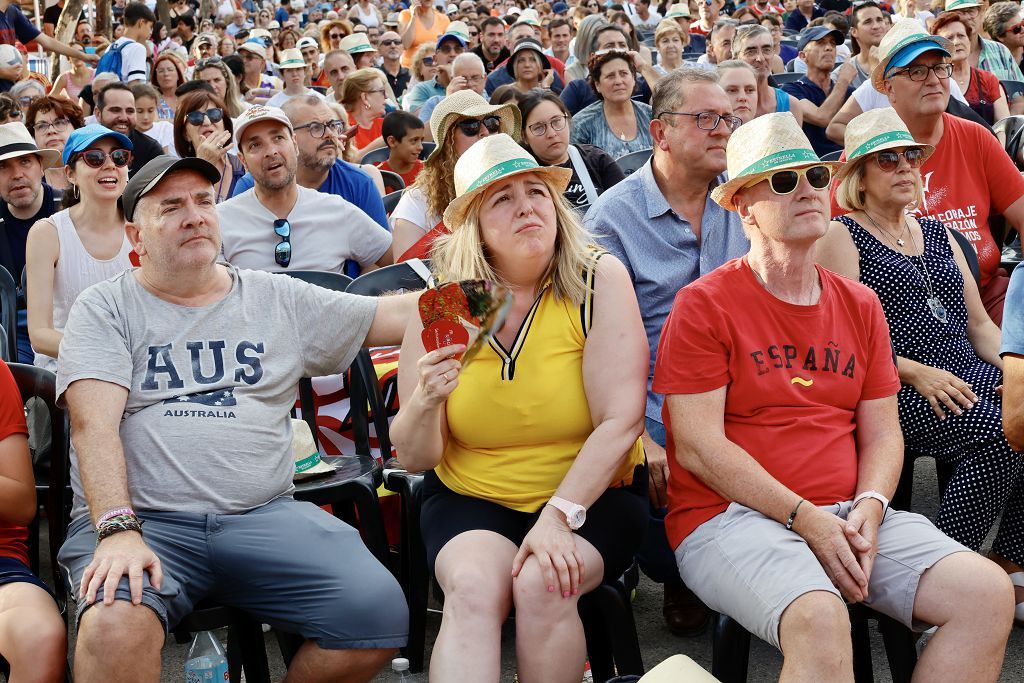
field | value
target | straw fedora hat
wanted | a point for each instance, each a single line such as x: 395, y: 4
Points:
x: 16, y: 141
x: 307, y: 457
x: 468, y: 103
x: 680, y: 9
x: 291, y: 58
x: 491, y: 159
x: 769, y: 143
x: 874, y: 131
x: 356, y: 43
x: 904, y: 34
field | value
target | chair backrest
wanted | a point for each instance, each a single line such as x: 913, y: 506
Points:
x: 428, y: 147
x: 9, y: 311
x: 1012, y: 88
x: 832, y: 156
x: 41, y: 384
x: 969, y: 253
x: 397, y: 277
x: 376, y: 156
x: 634, y: 160
x: 392, y: 181
x: 391, y: 201
x: 778, y: 80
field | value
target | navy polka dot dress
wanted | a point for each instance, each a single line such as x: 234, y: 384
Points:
x: 988, y: 477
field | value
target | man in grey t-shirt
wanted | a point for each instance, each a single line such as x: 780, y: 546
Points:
x: 179, y: 377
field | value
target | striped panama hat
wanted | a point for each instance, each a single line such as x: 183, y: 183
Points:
x: 874, y: 131
x: 769, y: 143
x: 489, y: 160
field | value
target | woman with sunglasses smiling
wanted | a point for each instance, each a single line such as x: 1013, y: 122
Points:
x: 947, y: 346
x: 201, y: 129
x: 546, y: 128
x: 458, y: 121
x: 81, y: 245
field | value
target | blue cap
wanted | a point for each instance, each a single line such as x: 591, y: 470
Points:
x: 81, y: 139
x: 816, y: 33
x: 908, y: 54
x: 560, y: 8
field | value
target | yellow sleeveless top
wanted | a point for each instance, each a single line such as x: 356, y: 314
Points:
x: 519, y: 416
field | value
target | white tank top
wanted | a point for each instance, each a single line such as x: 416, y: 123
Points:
x: 76, y: 270
x: 367, y: 20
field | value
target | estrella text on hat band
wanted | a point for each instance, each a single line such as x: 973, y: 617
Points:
x: 773, y: 161
x: 878, y: 140
x: 504, y: 168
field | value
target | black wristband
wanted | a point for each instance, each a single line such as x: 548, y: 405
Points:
x: 792, y: 515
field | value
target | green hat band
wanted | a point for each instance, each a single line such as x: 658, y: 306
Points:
x: 879, y: 140
x: 307, y: 463
x: 504, y: 168
x: 787, y: 156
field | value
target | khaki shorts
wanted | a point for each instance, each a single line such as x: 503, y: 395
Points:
x: 750, y: 567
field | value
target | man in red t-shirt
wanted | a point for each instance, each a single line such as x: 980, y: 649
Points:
x: 33, y: 637
x: 969, y: 179
x: 780, y: 402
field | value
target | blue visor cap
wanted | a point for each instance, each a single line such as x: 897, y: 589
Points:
x: 83, y: 138
x: 908, y: 54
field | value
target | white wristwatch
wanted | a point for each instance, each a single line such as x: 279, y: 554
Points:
x: 872, y: 494
x: 575, y: 515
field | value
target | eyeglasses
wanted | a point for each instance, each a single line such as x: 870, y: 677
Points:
x: 785, y: 182
x: 557, y: 123
x: 215, y: 114
x: 318, y: 130
x: 707, y: 120
x: 58, y: 124
x: 919, y: 72
x: 766, y: 51
x: 471, y: 127
x: 26, y: 100
x: 207, y: 61
x: 889, y: 160
x: 382, y: 91
x: 390, y: 42
x: 95, y: 158
x: 283, y: 250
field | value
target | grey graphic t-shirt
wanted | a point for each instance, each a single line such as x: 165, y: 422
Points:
x: 206, y: 425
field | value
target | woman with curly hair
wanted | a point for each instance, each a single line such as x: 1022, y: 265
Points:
x: 332, y: 33
x: 458, y: 121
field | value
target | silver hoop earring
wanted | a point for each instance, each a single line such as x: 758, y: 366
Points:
x: 74, y: 191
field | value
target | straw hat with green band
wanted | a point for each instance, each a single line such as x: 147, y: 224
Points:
x: 307, y: 457
x: 769, y: 143
x: 874, y: 131
x: 492, y: 159
x: 680, y: 9
x: 291, y: 58
x: 961, y: 4
x: 469, y: 104
x: 905, y: 42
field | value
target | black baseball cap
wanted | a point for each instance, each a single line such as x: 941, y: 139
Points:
x: 150, y: 175
x: 816, y: 33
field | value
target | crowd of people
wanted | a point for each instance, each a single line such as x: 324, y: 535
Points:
x: 755, y: 254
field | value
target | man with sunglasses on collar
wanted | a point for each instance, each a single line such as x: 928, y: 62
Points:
x: 322, y: 230
x: 179, y: 377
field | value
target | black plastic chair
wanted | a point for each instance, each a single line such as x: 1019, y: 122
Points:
x: 428, y: 147
x: 391, y: 201
x: 731, y: 648
x: 634, y: 160
x: 392, y: 181
x: 778, y: 80
x: 9, y: 312
x: 376, y: 156
x: 1013, y: 89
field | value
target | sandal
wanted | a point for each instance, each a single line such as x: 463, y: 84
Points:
x: 1017, y: 579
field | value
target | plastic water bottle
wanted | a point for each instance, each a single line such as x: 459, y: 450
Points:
x: 400, y: 668
x: 206, y: 661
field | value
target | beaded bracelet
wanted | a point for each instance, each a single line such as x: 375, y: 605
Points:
x: 116, y: 525
x: 792, y: 515
x: 116, y: 512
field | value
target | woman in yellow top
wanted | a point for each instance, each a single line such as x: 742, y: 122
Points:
x: 419, y: 24
x: 538, y: 488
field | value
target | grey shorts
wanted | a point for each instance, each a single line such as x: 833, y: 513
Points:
x: 288, y: 563
x: 750, y: 567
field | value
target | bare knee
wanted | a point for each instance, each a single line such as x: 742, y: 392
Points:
x: 39, y: 649
x: 817, y: 624
x: 136, y: 628
x: 531, y: 596
x: 472, y: 592
x: 969, y: 589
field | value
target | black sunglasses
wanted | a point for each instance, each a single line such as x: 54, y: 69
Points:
x: 95, y: 158
x: 195, y: 118
x: 283, y: 250
x: 471, y: 127
x: 428, y: 61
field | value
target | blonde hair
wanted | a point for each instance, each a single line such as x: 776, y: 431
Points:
x: 422, y: 52
x: 436, y: 180
x: 849, y: 195
x: 359, y: 82
x: 667, y: 26
x: 462, y: 255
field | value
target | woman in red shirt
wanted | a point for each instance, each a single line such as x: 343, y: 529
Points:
x: 364, y: 95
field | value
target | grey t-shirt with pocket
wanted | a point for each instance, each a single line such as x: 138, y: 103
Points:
x: 206, y: 426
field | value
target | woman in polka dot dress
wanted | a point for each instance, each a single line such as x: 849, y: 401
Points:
x: 946, y: 345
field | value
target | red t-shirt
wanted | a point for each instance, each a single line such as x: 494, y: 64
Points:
x: 365, y: 136
x: 967, y: 179
x: 12, y: 421
x: 409, y: 176
x: 795, y: 375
